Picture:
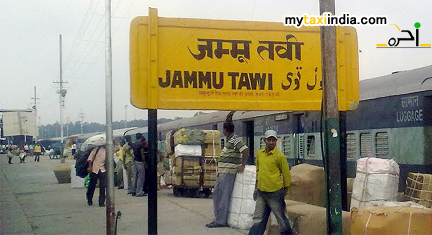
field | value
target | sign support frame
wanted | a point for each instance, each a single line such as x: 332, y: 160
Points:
x: 152, y: 120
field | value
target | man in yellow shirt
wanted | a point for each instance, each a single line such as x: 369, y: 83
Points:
x: 273, y: 181
x: 37, y: 152
x: 120, y: 164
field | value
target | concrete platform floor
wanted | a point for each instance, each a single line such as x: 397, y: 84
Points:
x: 32, y: 202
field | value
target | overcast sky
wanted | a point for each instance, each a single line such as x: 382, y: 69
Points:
x: 29, y: 46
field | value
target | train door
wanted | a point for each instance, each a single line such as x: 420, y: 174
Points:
x: 298, y: 137
x: 250, y: 141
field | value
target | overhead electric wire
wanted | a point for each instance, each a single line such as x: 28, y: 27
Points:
x: 94, y: 45
x: 114, y: 32
x: 80, y: 32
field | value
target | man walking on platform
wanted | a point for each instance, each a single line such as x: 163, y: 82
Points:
x: 37, y: 152
x: 232, y: 160
x: 97, y: 171
x: 271, y: 164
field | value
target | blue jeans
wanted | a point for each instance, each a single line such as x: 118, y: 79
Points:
x: 270, y: 202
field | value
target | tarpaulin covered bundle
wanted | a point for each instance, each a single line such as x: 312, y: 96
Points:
x: 307, y: 185
x: 376, y: 181
x: 306, y: 219
x: 242, y: 203
x: 189, y: 137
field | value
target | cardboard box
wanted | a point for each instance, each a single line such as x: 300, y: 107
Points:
x: 419, y: 189
x: 391, y: 220
x: 188, y: 180
x: 196, y: 170
x: 209, y: 167
x: 212, y: 137
x: 212, y: 150
x: 168, y: 177
x: 160, y: 169
x: 188, y: 162
x: 210, y: 176
x: 209, y: 183
x: 211, y: 159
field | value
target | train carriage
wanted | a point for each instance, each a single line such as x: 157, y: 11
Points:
x: 393, y: 120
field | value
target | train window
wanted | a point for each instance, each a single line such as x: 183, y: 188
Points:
x: 300, y: 145
x: 262, y: 143
x: 351, y: 145
x: 162, y: 145
x: 365, y: 145
x: 382, y: 144
x: 286, y: 145
x: 311, y: 146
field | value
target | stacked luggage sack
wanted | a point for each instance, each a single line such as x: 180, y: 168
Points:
x: 193, y: 163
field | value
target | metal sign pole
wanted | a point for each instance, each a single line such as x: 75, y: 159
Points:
x: 152, y: 196
x: 331, y: 122
x: 110, y: 203
x: 152, y: 119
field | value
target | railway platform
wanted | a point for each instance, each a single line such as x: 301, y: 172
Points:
x: 32, y: 202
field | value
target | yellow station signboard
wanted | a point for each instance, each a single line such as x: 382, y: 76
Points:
x: 235, y: 65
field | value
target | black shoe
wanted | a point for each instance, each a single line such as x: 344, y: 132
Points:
x: 141, y: 195
x: 89, y: 203
x: 121, y: 187
x: 102, y: 205
x: 214, y: 225
x: 129, y: 193
x: 133, y: 194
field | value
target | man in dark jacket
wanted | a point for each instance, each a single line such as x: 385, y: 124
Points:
x: 140, y: 150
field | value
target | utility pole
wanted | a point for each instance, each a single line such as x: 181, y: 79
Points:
x: 39, y: 122
x: 81, y: 116
x: 126, y: 116
x: 331, y: 122
x: 35, y: 98
x: 62, y: 93
x: 110, y: 205
x: 67, y: 126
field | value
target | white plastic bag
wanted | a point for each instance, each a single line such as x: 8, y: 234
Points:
x: 242, y: 205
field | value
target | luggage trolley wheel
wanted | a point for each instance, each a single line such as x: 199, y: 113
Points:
x: 177, y: 192
x: 193, y: 192
x: 207, y: 192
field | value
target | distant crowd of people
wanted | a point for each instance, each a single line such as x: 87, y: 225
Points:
x: 23, y: 152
